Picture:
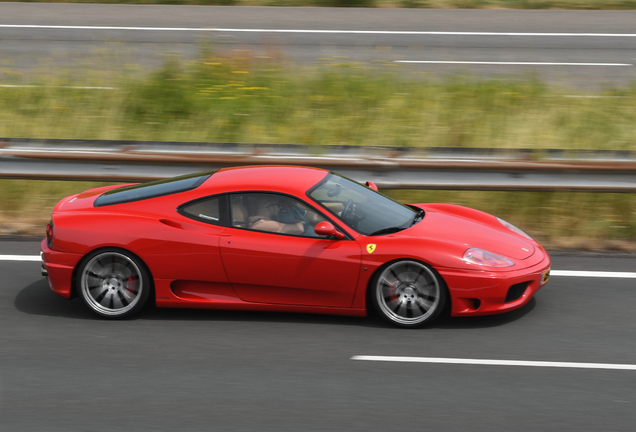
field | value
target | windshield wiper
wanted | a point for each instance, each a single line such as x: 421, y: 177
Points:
x: 389, y: 230
x: 418, y: 217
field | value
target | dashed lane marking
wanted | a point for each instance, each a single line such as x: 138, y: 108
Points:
x: 319, y: 31
x: 20, y: 258
x: 61, y: 87
x: 499, y: 63
x: 484, y: 362
x: 593, y: 274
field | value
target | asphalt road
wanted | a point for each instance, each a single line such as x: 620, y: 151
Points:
x: 580, y: 48
x: 61, y: 369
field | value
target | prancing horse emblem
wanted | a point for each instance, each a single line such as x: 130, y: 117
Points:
x: 370, y: 248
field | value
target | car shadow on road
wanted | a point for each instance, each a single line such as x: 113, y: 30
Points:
x: 38, y: 299
x: 160, y: 314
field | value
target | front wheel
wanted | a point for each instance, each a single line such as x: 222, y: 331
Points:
x: 114, y: 284
x: 408, y: 293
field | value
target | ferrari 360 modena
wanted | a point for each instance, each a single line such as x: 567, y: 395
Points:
x: 282, y: 238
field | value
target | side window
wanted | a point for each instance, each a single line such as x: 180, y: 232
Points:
x: 207, y: 210
x: 273, y: 213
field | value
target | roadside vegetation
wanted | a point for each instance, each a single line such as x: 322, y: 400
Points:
x: 229, y: 98
x: 443, y: 4
x: 246, y: 99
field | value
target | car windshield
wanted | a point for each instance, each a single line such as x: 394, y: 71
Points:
x: 363, y: 209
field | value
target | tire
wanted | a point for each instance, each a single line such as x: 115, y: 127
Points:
x: 113, y: 283
x: 408, y: 293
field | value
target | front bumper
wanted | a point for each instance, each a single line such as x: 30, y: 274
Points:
x: 476, y: 293
x: 58, y: 267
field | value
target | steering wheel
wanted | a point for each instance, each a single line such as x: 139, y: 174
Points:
x: 347, y: 211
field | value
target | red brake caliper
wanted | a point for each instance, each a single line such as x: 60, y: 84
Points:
x: 130, y: 285
x: 393, y: 291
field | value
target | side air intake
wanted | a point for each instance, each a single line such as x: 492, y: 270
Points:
x: 516, y: 291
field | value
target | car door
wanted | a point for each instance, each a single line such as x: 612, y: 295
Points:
x: 283, y: 268
x: 189, y: 257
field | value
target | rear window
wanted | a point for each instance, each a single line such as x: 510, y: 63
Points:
x: 206, y: 210
x: 152, y: 189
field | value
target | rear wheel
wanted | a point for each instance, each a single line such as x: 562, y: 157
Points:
x: 113, y: 283
x: 408, y: 293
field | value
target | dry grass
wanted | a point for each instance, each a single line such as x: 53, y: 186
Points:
x: 26, y: 205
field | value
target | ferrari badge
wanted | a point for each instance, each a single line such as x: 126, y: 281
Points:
x: 370, y: 248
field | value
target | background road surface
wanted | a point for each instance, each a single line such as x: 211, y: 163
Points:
x: 587, y: 49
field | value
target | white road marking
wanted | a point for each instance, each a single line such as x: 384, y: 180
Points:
x: 378, y: 32
x: 595, y: 97
x: 20, y: 258
x: 510, y: 63
x: 595, y: 274
x: 571, y: 273
x: 63, y: 87
x: 496, y: 362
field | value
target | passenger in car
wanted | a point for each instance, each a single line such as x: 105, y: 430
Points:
x: 267, y: 209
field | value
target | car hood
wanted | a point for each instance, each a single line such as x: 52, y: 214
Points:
x: 470, y: 228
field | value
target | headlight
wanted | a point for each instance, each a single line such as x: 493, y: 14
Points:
x: 511, y: 227
x: 484, y: 258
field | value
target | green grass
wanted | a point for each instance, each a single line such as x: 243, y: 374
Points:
x: 244, y: 99
x: 463, y: 4
x: 236, y: 97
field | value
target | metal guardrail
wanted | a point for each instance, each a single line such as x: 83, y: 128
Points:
x: 388, y: 167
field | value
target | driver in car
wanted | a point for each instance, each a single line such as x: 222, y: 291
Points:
x: 267, y: 210
x: 290, y: 212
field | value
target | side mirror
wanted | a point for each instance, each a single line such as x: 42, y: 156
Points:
x: 325, y: 228
x: 371, y: 185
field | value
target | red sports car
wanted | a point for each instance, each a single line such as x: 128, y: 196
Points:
x: 285, y: 239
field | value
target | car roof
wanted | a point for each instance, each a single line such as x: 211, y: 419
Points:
x: 287, y: 179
